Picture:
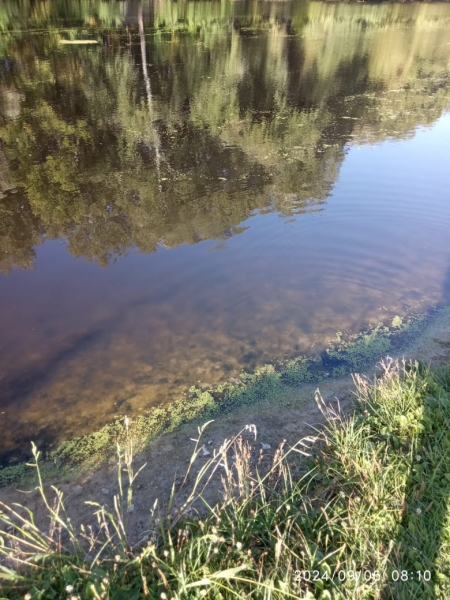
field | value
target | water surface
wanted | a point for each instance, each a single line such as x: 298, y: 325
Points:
x: 209, y: 187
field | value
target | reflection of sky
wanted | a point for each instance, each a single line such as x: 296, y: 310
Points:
x: 78, y: 336
x: 388, y: 221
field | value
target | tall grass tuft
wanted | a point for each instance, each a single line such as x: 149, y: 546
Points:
x: 357, y: 510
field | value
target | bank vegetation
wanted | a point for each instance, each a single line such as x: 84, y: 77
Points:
x: 357, y: 510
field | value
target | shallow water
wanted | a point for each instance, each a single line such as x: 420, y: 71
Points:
x: 210, y: 187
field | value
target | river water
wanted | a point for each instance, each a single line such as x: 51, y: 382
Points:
x: 206, y: 187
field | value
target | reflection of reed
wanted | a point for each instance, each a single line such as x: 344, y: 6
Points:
x: 148, y: 91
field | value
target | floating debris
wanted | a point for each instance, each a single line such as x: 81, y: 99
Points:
x: 78, y: 41
x: 265, y: 446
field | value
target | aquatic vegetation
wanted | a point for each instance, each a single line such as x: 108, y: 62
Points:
x: 357, y: 354
x: 298, y: 370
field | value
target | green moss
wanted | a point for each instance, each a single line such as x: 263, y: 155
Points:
x: 361, y: 352
x: 298, y: 371
x: 264, y: 384
x: 339, y: 372
x: 10, y: 475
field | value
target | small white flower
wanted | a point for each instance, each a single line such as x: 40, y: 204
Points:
x: 27, y: 597
x: 419, y: 511
x: 69, y: 589
x: 418, y: 458
x: 238, y: 545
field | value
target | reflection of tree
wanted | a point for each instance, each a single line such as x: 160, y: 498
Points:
x: 234, y: 114
x: 46, y: 149
x: 56, y: 13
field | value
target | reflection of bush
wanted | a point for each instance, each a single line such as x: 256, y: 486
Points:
x: 20, y: 230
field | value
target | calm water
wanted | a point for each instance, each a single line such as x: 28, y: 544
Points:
x: 209, y: 187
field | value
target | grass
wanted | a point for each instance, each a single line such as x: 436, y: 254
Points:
x: 359, y: 510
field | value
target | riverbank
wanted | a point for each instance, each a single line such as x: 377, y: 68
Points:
x: 356, y: 510
x: 286, y: 386
x: 279, y: 400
